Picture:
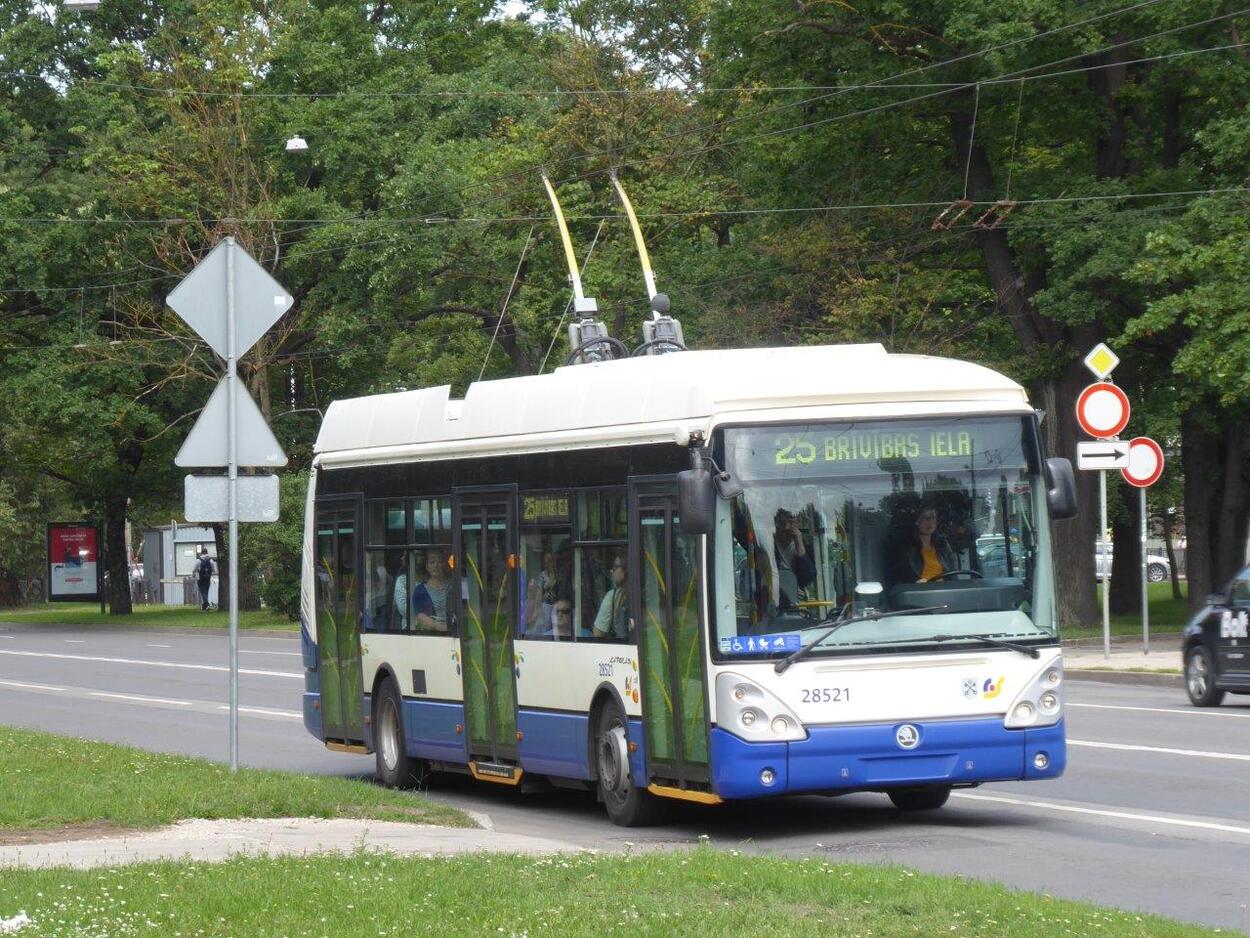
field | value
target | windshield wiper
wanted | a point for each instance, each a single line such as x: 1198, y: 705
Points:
x: 989, y: 640
x: 785, y: 662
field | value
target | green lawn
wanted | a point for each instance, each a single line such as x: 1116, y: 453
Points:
x: 51, y: 782
x: 143, y: 616
x: 1166, y: 614
x: 699, y: 892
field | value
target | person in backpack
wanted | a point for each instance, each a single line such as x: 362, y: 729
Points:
x: 204, y: 576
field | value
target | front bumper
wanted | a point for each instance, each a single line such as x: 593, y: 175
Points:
x: 868, y: 757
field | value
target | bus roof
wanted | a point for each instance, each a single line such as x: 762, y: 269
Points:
x: 645, y: 399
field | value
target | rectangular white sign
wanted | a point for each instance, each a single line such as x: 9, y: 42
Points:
x: 1102, y: 454
x: 208, y: 498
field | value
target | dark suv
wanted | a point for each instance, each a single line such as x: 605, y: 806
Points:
x: 1216, y: 645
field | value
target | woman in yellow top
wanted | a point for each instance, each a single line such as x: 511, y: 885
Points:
x: 928, y: 554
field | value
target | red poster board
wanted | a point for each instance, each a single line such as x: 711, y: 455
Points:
x: 74, y: 568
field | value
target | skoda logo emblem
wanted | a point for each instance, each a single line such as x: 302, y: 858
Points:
x: 907, y: 736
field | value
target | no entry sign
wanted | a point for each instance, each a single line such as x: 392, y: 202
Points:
x: 1145, y: 462
x: 1102, y: 410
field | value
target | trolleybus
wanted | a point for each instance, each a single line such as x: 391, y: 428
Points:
x: 707, y: 576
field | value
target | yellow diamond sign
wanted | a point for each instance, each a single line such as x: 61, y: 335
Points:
x: 1101, y: 360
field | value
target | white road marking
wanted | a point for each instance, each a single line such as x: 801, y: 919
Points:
x: 292, y: 654
x: 1100, y: 812
x: 74, y: 641
x: 31, y: 686
x: 138, y: 698
x: 1192, y: 711
x: 152, y: 664
x: 150, y: 645
x: 1198, y: 753
x: 266, y: 712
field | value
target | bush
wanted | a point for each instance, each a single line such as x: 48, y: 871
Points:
x: 270, y: 553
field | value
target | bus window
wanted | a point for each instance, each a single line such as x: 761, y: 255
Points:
x: 546, y: 579
x: 600, y: 567
x: 384, y: 609
x: 387, y: 524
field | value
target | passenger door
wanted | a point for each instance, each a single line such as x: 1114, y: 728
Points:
x: 1233, y: 648
x: 486, y: 567
x: 666, y: 605
x: 339, y: 605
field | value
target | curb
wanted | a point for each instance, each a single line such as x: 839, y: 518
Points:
x: 1108, y: 676
x: 148, y: 629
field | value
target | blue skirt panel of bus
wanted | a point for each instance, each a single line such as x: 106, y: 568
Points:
x: 312, y: 713
x: 868, y: 757
x: 553, y: 743
x: 430, y: 730
x: 307, y: 646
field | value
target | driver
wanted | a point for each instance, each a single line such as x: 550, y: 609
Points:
x: 926, y: 554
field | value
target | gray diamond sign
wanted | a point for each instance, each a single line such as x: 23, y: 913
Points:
x: 204, y: 294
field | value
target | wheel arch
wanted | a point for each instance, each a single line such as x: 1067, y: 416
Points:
x: 604, y: 693
x: 384, y: 673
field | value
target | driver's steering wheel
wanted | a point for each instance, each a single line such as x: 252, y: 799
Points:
x: 943, y: 576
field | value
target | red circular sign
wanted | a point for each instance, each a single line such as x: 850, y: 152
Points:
x: 1102, y: 410
x: 1145, y: 462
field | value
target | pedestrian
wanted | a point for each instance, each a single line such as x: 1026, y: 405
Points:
x: 204, y: 576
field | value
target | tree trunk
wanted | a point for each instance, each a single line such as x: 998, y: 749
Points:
x: 1073, y: 540
x: 1201, y: 466
x: 1229, y: 538
x: 1126, y: 537
x: 115, y: 559
x: 221, y: 534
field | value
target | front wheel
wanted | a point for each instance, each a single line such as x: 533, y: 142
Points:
x: 929, y: 798
x: 1200, y: 679
x: 395, y: 768
x: 1156, y: 573
x: 627, y: 804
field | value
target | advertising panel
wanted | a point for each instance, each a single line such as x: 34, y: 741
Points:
x: 73, y: 562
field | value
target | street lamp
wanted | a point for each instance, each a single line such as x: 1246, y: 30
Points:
x: 296, y: 144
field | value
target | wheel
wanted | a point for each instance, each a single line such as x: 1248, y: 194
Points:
x: 1156, y: 573
x: 395, y: 768
x: 627, y: 805
x: 928, y: 798
x: 1200, y: 679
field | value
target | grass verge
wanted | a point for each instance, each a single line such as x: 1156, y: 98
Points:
x: 56, y: 782
x: 1166, y: 614
x: 702, y: 892
x: 151, y: 616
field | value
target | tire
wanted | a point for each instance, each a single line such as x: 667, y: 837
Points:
x: 395, y: 768
x: 1200, y: 679
x: 1156, y: 573
x: 627, y: 805
x: 929, y: 798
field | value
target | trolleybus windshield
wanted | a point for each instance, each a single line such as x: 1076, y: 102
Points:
x: 839, y: 519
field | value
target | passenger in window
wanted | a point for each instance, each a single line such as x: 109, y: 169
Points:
x: 536, y: 616
x: 399, y: 597
x: 612, y: 621
x: 796, y: 568
x: 562, y: 619
x: 430, y: 598
x: 926, y: 555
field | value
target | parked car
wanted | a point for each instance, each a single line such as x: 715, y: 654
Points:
x: 1215, y: 646
x: 1157, y: 567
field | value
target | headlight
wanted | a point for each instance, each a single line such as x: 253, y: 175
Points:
x: 1041, y: 701
x: 752, y: 713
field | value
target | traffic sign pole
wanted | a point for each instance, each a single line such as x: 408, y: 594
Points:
x: 232, y: 458
x: 1145, y: 569
x: 1106, y: 574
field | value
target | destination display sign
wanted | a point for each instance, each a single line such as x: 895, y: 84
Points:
x: 886, y: 446
x: 538, y: 509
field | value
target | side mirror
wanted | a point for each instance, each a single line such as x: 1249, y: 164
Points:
x: 696, y: 501
x: 1060, y: 489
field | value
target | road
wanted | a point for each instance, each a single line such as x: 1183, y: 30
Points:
x: 1152, y: 815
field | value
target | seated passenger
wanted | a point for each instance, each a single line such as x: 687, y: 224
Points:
x: 430, y: 599
x: 562, y: 620
x: 926, y: 555
x: 613, y: 621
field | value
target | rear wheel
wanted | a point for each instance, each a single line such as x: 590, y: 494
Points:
x: 395, y: 768
x: 1200, y: 679
x: 1156, y: 573
x: 627, y: 804
x: 929, y: 798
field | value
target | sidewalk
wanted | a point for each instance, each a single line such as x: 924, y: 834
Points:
x: 218, y: 840
x: 1086, y: 660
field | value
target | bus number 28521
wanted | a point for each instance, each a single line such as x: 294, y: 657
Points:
x: 826, y: 695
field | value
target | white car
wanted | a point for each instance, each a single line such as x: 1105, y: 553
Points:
x: 1157, y: 567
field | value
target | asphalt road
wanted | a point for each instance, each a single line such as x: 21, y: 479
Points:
x: 1152, y: 815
